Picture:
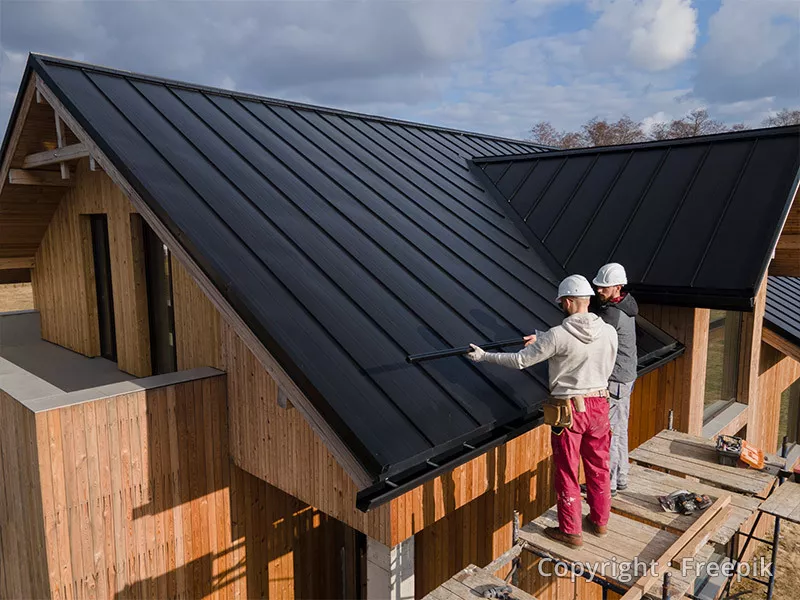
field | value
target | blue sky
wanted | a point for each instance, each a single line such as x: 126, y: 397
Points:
x: 495, y: 66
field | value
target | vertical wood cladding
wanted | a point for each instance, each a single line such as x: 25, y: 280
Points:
x: 678, y: 386
x: 776, y: 373
x: 23, y: 566
x: 63, y: 280
x: 137, y: 498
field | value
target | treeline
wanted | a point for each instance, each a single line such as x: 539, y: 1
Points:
x: 601, y: 132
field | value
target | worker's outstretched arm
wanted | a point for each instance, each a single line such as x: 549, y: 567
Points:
x: 543, y: 348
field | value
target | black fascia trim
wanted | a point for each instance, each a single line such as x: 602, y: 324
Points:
x: 739, y: 300
x: 423, y: 472
x: 356, y: 448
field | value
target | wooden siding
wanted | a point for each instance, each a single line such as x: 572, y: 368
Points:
x: 23, y: 567
x: 681, y: 383
x: 466, y: 516
x: 273, y: 443
x: 787, y: 253
x: 63, y: 280
x: 138, y: 498
x: 776, y: 373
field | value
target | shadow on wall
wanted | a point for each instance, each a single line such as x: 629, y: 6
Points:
x: 482, y: 528
x: 239, y: 534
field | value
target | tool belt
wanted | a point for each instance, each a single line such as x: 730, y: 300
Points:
x: 558, y: 411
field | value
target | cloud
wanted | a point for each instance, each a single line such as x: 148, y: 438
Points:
x: 342, y: 53
x: 652, y: 35
x: 753, y: 51
x: 495, y: 66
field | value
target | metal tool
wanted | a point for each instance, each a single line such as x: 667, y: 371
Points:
x: 413, y: 358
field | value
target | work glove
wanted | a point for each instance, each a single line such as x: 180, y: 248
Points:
x: 477, y: 354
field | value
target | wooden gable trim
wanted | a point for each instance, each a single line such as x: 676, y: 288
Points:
x: 781, y: 344
x: 16, y: 131
x: 298, y: 399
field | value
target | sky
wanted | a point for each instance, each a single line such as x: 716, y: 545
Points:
x: 493, y: 66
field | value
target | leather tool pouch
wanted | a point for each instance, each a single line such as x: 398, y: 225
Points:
x: 579, y: 402
x: 558, y: 412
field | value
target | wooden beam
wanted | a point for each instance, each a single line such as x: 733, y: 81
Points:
x: 701, y: 538
x: 781, y: 344
x: 17, y: 263
x: 28, y: 177
x: 16, y: 131
x: 51, y: 157
x: 329, y: 437
x: 60, y: 142
x: 641, y: 587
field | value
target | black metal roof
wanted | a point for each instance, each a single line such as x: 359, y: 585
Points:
x: 694, y: 221
x: 782, y: 311
x: 345, y: 242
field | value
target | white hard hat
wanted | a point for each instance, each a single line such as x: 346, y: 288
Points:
x: 574, y: 286
x: 611, y: 274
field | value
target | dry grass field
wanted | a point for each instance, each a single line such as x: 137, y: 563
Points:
x: 787, y: 579
x: 15, y: 296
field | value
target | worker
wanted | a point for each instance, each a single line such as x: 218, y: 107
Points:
x: 580, y: 352
x: 619, y: 309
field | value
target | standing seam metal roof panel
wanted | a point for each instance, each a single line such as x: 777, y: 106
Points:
x: 354, y: 260
x: 782, y: 311
x: 694, y: 221
x: 345, y: 242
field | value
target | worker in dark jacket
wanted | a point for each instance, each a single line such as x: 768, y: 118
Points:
x: 619, y: 309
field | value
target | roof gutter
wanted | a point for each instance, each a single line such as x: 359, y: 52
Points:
x: 394, y: 487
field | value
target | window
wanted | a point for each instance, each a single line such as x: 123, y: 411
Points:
x: 722, y: 364
x: 158, y: 273
x: 102, y: 278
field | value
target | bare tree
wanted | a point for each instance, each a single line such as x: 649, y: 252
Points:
x: 601, y: 132
x: 782, y: 117
x: 597, y: 132
x: 544, y: 133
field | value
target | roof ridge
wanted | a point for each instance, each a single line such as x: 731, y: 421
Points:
x: 273, y: 101
x: 684, y: 141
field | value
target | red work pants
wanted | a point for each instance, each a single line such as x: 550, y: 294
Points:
x: 588, y: 438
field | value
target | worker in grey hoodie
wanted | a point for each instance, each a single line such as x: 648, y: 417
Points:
x: 580, y: 355
x: 619, y: 309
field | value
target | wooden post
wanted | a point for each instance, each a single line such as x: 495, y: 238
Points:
x: 750, y: 347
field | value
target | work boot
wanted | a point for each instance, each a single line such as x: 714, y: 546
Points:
x: 593, y: 528
x: 571, y: 540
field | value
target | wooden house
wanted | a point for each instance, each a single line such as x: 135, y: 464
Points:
x: 212, y: 397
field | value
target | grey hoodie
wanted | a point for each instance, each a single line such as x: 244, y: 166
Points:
x: 622, y: 316
x: 580, y: 354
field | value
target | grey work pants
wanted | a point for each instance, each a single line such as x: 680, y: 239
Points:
x: 619, y: 400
